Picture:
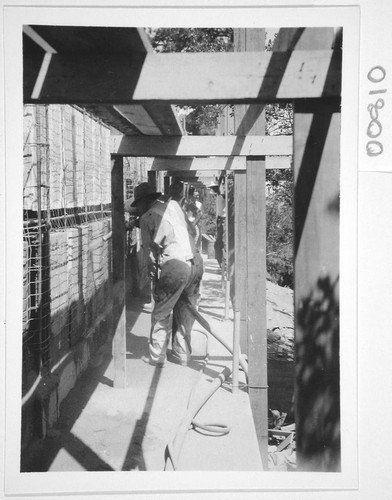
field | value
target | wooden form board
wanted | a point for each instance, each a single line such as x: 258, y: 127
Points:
x: 118, y: 249
x: 183, y: 78
x: 218, y: 163
x: 202, y: 146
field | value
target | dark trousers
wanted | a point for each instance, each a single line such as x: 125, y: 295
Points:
x: 178, y: 283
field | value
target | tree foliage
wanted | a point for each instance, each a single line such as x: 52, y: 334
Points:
x: 203, y: 120
x: 200, y: 120
x: 280, y: 235
x: 191, y: 39
x: 208, y: 219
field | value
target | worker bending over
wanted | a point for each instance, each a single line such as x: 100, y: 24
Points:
x: 175, y: 267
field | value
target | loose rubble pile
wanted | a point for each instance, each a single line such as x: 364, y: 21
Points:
x: 280, y: 341
x: 281, y: 443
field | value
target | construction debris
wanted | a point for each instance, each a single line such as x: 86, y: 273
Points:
x: 281, y: 443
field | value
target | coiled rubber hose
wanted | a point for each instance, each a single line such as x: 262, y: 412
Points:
x: 173, y: 449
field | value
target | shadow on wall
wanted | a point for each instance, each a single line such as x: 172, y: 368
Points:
x: 40, y: 454
x: 67, y: 316
x: 318, y: 379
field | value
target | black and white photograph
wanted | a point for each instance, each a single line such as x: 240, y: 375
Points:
x: 184, y: 283
x: 159, y: 248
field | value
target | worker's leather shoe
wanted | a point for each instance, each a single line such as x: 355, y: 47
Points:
x: 157, y: 364
x: 176, y: 359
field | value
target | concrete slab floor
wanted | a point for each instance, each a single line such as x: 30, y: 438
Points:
x: 102, y: 428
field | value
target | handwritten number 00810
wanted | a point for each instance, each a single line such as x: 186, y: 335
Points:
x: 374, y: 147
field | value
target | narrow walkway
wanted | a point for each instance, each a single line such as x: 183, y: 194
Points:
x: 102, y: 428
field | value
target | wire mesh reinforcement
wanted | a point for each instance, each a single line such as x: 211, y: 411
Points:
x: 66, y: 214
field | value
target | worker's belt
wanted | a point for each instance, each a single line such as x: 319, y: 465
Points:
x: 220, y: 217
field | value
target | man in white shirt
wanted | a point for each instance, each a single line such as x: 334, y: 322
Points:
x: 175, y: 267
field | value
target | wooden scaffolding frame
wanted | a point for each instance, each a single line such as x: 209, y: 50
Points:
x: 304, y: 68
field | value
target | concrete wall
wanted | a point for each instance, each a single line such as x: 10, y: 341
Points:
x: 67, y: 256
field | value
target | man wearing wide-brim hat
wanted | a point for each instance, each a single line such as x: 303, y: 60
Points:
x: 175, y: 267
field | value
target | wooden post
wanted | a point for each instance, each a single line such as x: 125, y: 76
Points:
x: 316, y: 205
x: 250, y: 120
x: 118, y: 242
x: 166, y: 185
x: 227, y: 250
x: 152, y: 178
x: 236, y: 351
x: 256, y: 298
x: 240, y: 262
x: 316, y: 172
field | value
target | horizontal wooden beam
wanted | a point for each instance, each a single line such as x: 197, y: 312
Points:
x: 202, y: 146
x: 42, y: 42
x: 200, y: 164
x: 278, y: 162
x: 112, y: 118
x: 165, y: 117
x: 138, y: 116
x: 180, y: 78
x: 151, y: 119
x: 194, y: 173
x: 215, y: 164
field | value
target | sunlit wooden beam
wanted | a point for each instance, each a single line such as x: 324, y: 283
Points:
x: 185, y: 78
x: 202, y: 146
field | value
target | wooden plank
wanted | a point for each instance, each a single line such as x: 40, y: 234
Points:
x: 228, y: 271
x: 112, y: 118
x: 118, y: 249
x: 285, y: 443
x: 316, y: 168
x: 278, y: 162
x: 165, y: 117
x: 256, y: 298
x: 280, y: 432
x: 250, y: 120
x: 202, y: 146
x: 184, y: 78
x: 151, y: 119
x: 159, y: 120
x: 240, y: 256
x: 89, y: 39
x: 206, y: 174
x: 200, y: 164
x: 186, y: 176
x: 138, y: 116
x: 79, y: 39
x: 316, y: 201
